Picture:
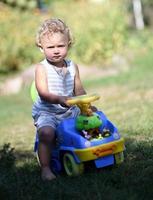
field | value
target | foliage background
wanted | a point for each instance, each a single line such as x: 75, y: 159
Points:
x: 98, y: 33
x: 101, y: 30
x: 126, y: 98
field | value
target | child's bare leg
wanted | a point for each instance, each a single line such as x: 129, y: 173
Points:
x: 46, y: 141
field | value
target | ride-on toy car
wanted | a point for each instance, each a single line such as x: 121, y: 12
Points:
x: 88, y: 137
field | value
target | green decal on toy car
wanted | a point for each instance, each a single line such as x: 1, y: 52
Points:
x: 88, y: 122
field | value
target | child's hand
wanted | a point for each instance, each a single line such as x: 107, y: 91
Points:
x: 93, y: 108
x: 63, y: 101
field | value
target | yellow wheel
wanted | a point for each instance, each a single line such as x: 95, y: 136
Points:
x: 119, y: 157
x: 71, y: 167
x: 37, y: 157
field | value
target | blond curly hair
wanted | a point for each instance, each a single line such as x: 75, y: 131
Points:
x: 51, y: 26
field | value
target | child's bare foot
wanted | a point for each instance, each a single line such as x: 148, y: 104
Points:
x: 47, y: 174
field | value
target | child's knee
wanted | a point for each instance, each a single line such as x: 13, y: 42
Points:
x: 46, y: 134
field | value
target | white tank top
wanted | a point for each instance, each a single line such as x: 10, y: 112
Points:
x: 59, y: 84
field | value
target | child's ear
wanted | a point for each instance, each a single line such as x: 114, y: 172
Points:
x: 41, y: 49
x: 69, y: 44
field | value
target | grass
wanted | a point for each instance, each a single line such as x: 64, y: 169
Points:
x: 127, y: 100
x: 15, y: 122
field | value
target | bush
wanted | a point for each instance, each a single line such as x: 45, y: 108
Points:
x: 7, y: 158
x: 99, y: 30
x: 22, y: 4
x: 18, y: 37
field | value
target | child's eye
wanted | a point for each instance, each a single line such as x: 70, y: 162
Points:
x: 61, y: 46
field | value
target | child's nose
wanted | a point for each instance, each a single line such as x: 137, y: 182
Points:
x: 56, y: 50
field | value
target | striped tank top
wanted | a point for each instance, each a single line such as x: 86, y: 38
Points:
x: 59, y: 83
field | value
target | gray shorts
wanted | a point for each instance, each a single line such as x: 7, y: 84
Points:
x: 53, y: 119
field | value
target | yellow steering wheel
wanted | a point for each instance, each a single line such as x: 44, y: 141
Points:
x: 83, y: 99
x: 83, y: 102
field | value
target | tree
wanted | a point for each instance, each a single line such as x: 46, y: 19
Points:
x: 138, y: 15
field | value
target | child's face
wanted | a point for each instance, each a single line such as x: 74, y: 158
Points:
x: 55, y: 47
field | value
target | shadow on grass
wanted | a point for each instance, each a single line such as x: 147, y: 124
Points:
x: 132, y: 180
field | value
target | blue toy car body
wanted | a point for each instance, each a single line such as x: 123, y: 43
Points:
x: 73, y: 150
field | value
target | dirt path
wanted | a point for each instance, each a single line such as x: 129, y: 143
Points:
x: 14, y: 85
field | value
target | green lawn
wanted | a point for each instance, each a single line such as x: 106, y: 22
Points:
x: 127, y: 100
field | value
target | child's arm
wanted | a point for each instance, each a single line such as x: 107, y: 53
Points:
x: 42, y: 87
x: 79, y: 90
x: 78, y: 87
